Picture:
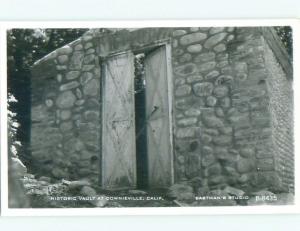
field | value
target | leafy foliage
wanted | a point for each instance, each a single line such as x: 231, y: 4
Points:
x: 286, y: 35
x: 12, y: 128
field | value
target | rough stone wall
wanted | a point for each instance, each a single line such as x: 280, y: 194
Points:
x: 65, y: 135
x: 281, y: 107
x: 201, y: 78
x: 223, y: 119
x: 224, y: 115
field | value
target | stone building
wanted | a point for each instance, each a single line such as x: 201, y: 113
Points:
x: 218, y: 109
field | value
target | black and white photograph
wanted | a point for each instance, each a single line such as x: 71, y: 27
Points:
x: 150, y: 117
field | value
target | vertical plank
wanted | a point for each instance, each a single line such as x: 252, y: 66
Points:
x: 158, y: 115
x: 118, y: 124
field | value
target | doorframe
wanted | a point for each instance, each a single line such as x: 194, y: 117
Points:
x: 171, y: 106
x: 147, y: 47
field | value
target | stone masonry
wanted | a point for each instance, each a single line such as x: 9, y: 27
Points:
x: 232, y: 111
x: 65, y: 135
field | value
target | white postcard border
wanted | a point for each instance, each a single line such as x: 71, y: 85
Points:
x: 284, y: 209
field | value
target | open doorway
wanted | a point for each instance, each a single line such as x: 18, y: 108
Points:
x: 140, y: 121
x: 137, y: 125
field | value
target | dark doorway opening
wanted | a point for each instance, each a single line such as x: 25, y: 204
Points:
x: 140, y: 122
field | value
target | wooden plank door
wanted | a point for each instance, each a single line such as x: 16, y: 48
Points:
x: 118, y: 123
x: 160, y: 159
